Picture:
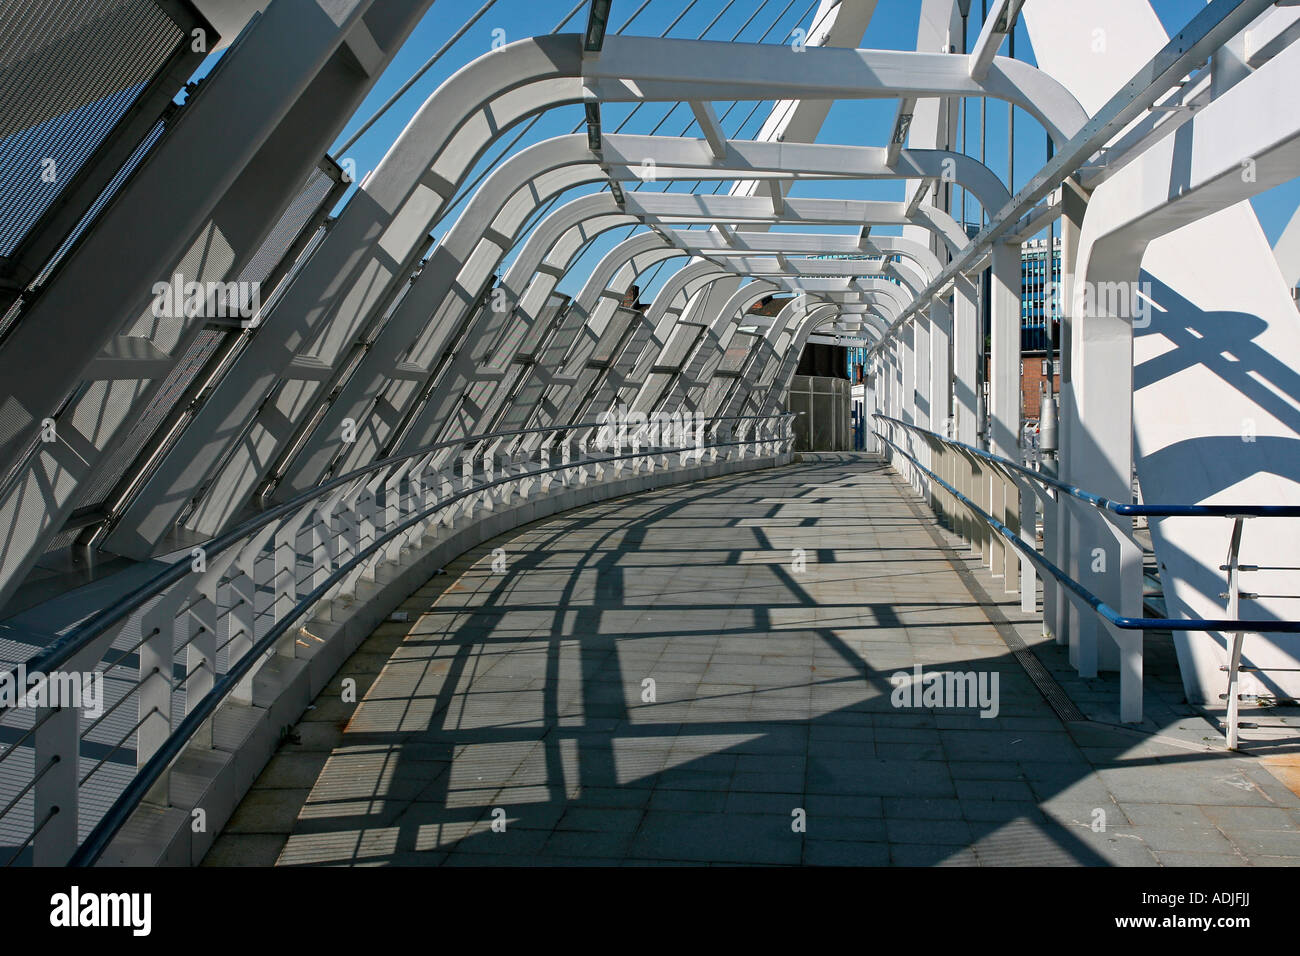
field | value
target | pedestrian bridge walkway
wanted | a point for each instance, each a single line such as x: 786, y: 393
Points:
x: 706, y: 674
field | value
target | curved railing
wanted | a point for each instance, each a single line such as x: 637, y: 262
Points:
x: 249, y: 587
x: 1054, y: 489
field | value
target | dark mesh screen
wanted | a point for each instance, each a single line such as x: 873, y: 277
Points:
x: 734, y: 358
x: 69, y: 71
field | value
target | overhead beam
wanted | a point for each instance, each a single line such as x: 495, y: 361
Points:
x: 707, y: 117
x: 922, y: 190
x: 726, y: 232
x: 623, y: 155
x: 635, y: 69
x: 999, y: 23
x: 1216, y: 23
x: 902, y: 123
x: 684, y: 208
x: 1271, y: 36
x: 776, y: 192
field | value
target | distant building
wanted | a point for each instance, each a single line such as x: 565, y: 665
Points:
x: 1033, y: 373
x: 1039, y: 310
x: 1039, y: 313
x: 632, y: 299
x: 769, y: 305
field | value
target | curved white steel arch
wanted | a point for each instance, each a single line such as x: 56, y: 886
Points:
x: 594, y: 389
x: 647, y: 158
x: 695, y: 366
x: 537, y: 72
x: 497, y: 55
x: 542, y: 159
x: 853, y: 158
x: 537, y: 269
x: 632, y: 69
x: 586, y: 323
x: 1179, y: 180
x: 750, y: 386
x: 674, y: 298
x: 450, y: 282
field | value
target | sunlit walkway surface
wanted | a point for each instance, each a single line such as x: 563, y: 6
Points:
x: 770, y: 612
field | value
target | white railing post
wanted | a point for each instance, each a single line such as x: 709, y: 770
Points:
x: 489, y: 476
x: 1028, y: 513
x: 395, y: 509
x: 371, y: 515
x: 200, y: 631
x: 57, y: 745
x: 467, y: 482
x: 241, y: 617
x: 348, y: 536
x: 1233, y: 567
x: 154, y: 698
x: 447, y: 489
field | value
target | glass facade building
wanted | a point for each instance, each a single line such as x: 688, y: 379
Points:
x: 1040, y: 304
x: 1039, y: 296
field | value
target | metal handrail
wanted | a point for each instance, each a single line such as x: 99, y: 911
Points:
x: 78, y: 637
x: 99, y: 838
x: 1097, y: 604
x: 478, y: 476
x: 1128, y: 509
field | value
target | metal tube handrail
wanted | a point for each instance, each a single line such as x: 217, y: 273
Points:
x: 78, y: 637
x: 1096, y: 603
x: 1120, y: 508
x: 97, y: 841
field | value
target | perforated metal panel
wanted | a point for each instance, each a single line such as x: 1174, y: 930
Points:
x: 111, y: 190
x: 125, y: 460
x: 193, y: 361
x: 734, y: 358
x: 613, y: 334
x: 541, y: 328
x: 69, y: 72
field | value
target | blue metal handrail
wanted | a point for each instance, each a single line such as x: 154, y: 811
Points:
x: 1096, y: 603
x: 1117, y: 507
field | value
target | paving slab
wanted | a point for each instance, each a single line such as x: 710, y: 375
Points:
x: 668, y: 679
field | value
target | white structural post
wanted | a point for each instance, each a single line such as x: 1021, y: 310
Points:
x: 1004, y: 396
x: 940, y: 367
x: 921, y: 393
x: 965, y: 351
x: 907, y: 391
x: 1058, y: 608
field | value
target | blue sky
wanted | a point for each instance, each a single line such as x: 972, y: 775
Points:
x: 864, y: 122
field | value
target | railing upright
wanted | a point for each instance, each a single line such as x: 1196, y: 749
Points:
x: 1013, y: 520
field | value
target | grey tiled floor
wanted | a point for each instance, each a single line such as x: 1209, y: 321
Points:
x: 770, y: 611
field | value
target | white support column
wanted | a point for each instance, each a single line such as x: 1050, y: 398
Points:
x: 907, y: 371
x: 921, y: 393
x: 1004, y: 394
x: 1101, y: 461
x: 965, y: 330
x: 940, y: 368
x: 1057, y: 607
